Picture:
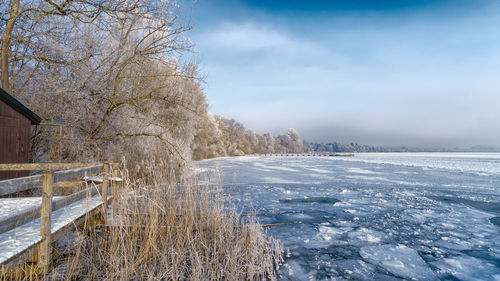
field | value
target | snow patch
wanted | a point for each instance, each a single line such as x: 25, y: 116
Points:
x: 327, y: 236
x: 342, y: 204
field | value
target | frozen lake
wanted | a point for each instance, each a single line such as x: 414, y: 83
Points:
x: 380, y: 216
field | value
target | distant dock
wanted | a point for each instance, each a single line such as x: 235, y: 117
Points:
x: 329, y: 154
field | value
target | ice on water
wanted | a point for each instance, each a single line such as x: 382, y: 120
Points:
x: 468, y: 268
x: 366, y: 235
x: 375, y: 216
x: 398, y: 259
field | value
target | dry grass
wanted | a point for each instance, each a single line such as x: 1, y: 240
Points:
x: 160, y: 231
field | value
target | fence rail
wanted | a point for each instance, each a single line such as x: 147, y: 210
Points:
x: 44, y: 166
x: 25, y: 183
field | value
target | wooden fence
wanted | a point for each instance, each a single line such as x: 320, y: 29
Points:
x: 52, y: 173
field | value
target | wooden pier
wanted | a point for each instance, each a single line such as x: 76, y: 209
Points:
x: 30, y: 225
x: 312, y: 154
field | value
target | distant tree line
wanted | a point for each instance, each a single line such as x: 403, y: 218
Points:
x: 354, y: 147
x: 341, y: 147
x: 218, y: 136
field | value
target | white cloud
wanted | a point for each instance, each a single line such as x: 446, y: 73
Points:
x: 251, y: 37
x: 246, y: 37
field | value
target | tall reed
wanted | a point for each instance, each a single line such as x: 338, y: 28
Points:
x: 157, y: 230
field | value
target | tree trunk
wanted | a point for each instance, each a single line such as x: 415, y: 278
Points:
x: 5, y: 49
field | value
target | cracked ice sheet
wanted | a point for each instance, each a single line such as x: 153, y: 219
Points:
x: 411, y: 207
x: 21, y: 238
x: 468, y: 268
x: 399, y: 260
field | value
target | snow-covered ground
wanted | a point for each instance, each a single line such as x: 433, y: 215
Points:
x: 381, y: 216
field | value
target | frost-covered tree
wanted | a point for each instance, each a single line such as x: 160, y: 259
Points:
x: 268, y: 143
x: 38, y: 32
x: 208, y: 142
x: 291, y: 142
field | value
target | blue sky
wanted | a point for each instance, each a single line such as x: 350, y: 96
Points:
x: 420, y: 73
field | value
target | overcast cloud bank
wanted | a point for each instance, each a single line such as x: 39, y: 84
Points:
x: 420, y: 76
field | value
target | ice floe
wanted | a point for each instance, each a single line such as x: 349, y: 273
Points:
x: 467, y: 268
x: 367, y: 235
x: 399, y: 260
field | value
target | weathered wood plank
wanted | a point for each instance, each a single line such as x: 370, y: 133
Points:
x: 77, y: 196
x: 44, y: 166
x: 20, y: 219
x: 114, y: 183
x: 18, y: 259
x: 104, y: 190
x: 19, y: 184
x: 76, y: 223
x: 77, y: 173
x: 25, y: 183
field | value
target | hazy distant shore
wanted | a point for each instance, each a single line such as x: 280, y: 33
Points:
x: 354, y: 147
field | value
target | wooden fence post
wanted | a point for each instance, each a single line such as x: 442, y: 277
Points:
x: 114, y: 183
x: 104, y: 193
x: 44, y: 250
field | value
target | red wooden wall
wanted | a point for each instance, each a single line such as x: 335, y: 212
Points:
x: 14, y: 139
